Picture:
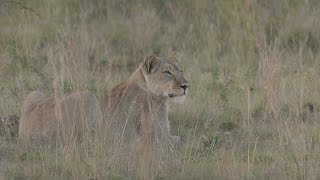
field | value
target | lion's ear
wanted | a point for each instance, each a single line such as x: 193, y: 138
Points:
x: 151, y: 63
x: 173, y: 56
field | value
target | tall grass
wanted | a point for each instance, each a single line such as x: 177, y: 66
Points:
x: 253, y: 67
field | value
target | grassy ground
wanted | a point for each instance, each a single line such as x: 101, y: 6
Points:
x: 253, y: 66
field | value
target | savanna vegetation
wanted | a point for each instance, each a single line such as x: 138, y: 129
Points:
x: 253, y: 66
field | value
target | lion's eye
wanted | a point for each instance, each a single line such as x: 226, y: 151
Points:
x: 168, y: 73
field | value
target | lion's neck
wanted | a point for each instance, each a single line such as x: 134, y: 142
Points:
x: 136, y: 86
x: 139, y: 80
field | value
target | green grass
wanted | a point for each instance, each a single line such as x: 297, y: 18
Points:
x: 252, y: 67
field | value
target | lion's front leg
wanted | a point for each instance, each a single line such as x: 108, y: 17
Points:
x: 161, y: 132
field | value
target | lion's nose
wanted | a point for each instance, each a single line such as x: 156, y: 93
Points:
x: 184, y: 86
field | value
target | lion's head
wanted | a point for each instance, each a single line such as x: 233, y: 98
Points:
x: 164, y: 77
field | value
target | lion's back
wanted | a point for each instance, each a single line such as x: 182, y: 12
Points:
x: 58, y: 118
x: 28, y: 115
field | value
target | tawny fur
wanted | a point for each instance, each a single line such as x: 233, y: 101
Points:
x: 135, y: 108
x: 58, y: 119
x: 139, y: 105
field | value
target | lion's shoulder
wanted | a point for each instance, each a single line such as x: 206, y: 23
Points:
x: 32, y: 101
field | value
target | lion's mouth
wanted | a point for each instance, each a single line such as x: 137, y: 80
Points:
x: 173, y: 96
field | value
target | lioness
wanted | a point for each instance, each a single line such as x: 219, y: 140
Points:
x: 139, y: 105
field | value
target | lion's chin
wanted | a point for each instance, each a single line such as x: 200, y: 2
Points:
x: 180, y: 99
